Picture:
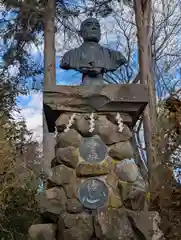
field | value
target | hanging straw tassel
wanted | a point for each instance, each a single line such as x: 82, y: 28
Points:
x: 92, y: 123
x: 70, y: 122
x: 119, y: 122
x: 55, y: 133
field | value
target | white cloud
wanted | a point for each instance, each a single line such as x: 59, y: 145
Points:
x: 32, y: 113
x: 13, y: 70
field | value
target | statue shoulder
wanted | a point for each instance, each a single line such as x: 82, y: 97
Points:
x: 114, y: 58
x: 68, y: 54
x: 117, y: 56
x: 67, y: 58
x: 70, y: 60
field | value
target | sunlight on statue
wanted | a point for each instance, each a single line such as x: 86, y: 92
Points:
x: 91, y: 59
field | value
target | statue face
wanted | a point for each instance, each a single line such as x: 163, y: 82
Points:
x: 90, y: 30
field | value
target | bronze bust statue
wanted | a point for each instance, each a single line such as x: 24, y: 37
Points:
x: 91, y: 59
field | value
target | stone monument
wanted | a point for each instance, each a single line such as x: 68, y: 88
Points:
x: 96, y: 191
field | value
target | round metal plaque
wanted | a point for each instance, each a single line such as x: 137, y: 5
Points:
x: 93, y: 193
x: 93, y: 149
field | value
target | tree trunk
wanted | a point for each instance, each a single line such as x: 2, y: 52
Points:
x: 49, y: 45
x: 142, y: 10
x: 49, y: 78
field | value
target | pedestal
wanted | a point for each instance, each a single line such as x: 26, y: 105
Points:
x: 96, y: 190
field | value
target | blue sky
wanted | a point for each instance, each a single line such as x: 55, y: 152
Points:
x: 31, y: 105
x: 64, y: 77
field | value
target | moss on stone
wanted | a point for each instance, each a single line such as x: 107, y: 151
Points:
x: 114, y: 200
x: 87, y: 169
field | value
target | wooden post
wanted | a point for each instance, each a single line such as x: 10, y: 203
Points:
x: 49, y: 77
x: 49, y: 45
x: 143, y: 10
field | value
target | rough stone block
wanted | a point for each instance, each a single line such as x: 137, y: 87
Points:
x: 62, y: 175
x: 74, y: 234
x: 121, y: 150
x: 138, y: 194
x: 125, y: 189
x: 75, y: 226
x: 42, y: 231
x: 51, y: 203
x: 70, y: 138
x: 112, y: 180
x: 114, y: 199
x: 74, y: 206
x: 112, y: 224
x: 146, y: 224
x: 82, y: 125
x: 90, y: 170
x: 127, y: 171
x: 68, y: 156
x: 109, y: 132
x: 61, y: 122
x: 71, y: 189
x: 133, y: 194
x: 55, y: 162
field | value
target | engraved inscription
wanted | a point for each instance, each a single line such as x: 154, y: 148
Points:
x: 92, y: 155
x: 93, y: 193
x: 122, y: 98
x: 93, y: 149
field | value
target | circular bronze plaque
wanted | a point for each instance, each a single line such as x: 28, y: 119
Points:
x: 93, y: 149
x: 93, y: 193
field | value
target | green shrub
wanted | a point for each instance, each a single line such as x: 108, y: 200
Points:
x: 18, y: 210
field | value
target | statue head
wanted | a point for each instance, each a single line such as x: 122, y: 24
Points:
x: 90, y: 30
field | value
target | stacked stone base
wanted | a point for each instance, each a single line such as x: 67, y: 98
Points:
x: 108, y: 223
x: 121, y: 214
